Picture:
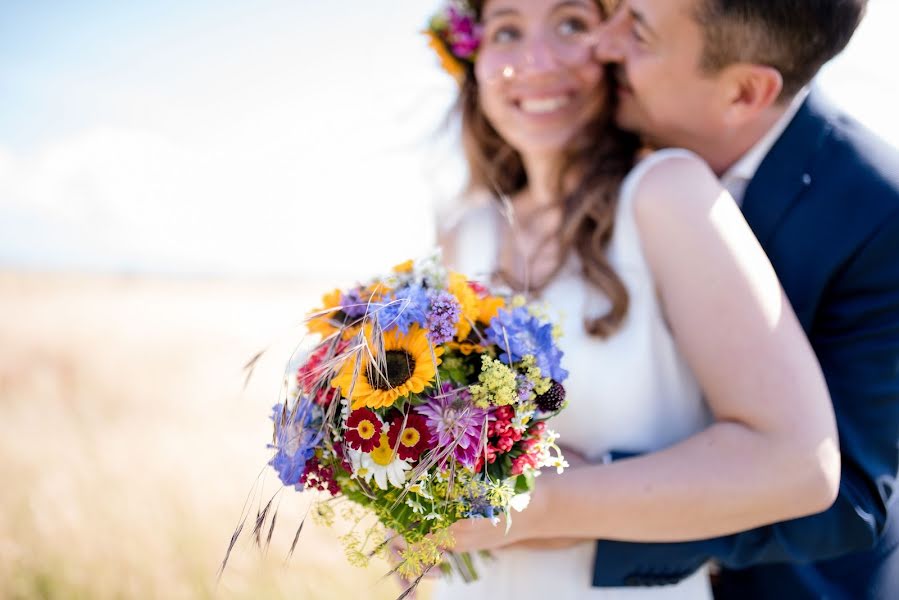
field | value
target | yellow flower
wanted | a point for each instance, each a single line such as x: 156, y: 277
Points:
x: 468, y: 301
x: 489, y: 307
x: 449, y: 62
x: 323, y: 321
x: 405, y: 367
x: 404, y: 267
x: 466, y: 348
x: 474, y: 309
x: 496, y: 385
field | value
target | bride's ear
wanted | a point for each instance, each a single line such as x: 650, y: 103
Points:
x: 752, y: 89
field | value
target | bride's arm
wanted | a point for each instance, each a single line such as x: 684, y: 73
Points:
x: 772, y: 452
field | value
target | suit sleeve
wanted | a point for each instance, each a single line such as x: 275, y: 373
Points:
x: 856, y: 338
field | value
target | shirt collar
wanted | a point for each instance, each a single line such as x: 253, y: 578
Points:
x: 745, y: 168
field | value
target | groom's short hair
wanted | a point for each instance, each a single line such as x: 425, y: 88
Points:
x: 796, y: 37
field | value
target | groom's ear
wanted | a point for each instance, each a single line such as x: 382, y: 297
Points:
x: 752, y: 89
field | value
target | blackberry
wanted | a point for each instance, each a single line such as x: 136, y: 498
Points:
x: 552, y: 399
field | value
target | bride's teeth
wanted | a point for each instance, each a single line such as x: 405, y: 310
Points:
x: 543, y: 105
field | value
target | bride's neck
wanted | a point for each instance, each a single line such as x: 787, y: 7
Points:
x: 543, y: 176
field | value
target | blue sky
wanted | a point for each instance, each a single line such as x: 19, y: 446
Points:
x: 273, y: 137
x: 216, y: 136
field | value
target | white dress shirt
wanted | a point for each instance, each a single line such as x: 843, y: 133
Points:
x: 737, y: 178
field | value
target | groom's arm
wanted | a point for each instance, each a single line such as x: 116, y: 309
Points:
x: 856, y: 338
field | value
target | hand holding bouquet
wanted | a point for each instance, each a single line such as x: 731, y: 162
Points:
x: 425, y: 401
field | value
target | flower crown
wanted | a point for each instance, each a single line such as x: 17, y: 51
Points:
x: 455, y: 35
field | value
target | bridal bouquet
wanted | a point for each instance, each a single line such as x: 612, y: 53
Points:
x: 424, y: 402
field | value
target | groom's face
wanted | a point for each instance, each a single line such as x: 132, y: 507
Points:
x: 656, y: 47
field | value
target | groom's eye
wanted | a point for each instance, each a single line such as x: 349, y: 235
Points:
x: 636, y: 35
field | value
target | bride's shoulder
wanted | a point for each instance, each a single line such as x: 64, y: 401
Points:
x: 671, y: 183
x: 671, y: 166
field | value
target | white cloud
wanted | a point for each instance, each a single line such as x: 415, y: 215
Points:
x: 137, y: 198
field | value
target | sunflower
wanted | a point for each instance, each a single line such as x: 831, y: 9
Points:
x: 327, y: 322
x: 406, y: 366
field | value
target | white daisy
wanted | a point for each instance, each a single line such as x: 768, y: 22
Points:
x: 381, y: 464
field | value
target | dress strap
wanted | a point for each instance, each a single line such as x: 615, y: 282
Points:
x: 626, y: 242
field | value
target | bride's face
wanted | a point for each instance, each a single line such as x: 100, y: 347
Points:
x: 538, y: 85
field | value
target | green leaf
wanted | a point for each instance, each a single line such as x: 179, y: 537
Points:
x: 524, y: 483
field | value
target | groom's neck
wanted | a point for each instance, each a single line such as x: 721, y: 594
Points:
x: 724, y: 150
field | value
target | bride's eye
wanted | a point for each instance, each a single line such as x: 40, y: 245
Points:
x: 572, y: 26
x: 505, y: 34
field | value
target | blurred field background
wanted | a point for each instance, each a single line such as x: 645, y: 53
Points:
x: 128, y: 443
x: 179, y: 182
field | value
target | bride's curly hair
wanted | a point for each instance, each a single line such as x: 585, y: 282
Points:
x: 597, y: 159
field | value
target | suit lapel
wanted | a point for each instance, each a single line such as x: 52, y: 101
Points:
x: 787, y: 171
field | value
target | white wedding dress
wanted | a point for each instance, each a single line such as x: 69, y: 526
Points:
x: 631, y: 392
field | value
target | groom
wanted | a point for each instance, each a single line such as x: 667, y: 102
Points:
x: 728, y: 79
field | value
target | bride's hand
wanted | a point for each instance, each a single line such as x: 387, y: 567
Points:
x: 545, y: 544
x: 471, y: 535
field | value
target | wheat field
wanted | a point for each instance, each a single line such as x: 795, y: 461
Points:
x: 129, y: 443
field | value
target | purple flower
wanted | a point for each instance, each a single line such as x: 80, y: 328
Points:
x: 465, y: 47
x: 525, y: 387
x: 442, y: 316
x: 408, y: 306
x: 295, y: 439
x: 353, y: 305
x: 463, y: 32
x: 518, y: 333
x: 454, y: 420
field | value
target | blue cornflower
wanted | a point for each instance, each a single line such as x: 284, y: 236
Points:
x: 402, y: 309
x: 478, y: 504
x: 443, y: 314
x: 295, y: 440
x: 518, y: 333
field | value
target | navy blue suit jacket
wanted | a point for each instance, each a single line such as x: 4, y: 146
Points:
x: 825, y: 206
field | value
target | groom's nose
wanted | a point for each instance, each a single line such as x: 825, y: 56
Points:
x: 609, y: 47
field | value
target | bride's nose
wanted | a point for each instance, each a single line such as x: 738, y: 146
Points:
x: 538, y: 56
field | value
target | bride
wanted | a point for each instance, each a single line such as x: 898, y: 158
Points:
x: 678, y: 338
